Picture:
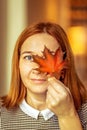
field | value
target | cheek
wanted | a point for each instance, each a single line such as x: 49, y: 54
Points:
x: 24, y: 70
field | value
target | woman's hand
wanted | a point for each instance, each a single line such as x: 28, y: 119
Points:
x: 59, y: 98
x: 60, y: 101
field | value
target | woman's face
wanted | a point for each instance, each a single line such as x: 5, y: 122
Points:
x: 33, y: 80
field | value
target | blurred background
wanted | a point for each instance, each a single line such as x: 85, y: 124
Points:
x: 15, y: 15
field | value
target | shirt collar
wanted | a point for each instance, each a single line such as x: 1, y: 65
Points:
x: 30, y: 111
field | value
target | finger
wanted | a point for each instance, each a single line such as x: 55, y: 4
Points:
x: 58, y: 85
x: 51, y: 102
x: 53, y: 93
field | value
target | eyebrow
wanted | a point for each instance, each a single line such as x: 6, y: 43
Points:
x: 26, y: 52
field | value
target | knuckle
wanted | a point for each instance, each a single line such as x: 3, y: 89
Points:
x: 53, y: 104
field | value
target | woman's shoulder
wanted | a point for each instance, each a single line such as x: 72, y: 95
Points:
x: 5, y: 110
x: 83, y: 111
x: 83, y: 114
x: 0, y: 114
x: 0, y: 107
x: 83, y: 108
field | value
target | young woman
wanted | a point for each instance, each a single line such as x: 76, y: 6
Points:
x: 38, y: 100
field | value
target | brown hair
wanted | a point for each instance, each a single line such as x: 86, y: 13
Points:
x: 17, y: 90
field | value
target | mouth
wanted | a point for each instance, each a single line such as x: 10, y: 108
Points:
x: 38, y: 80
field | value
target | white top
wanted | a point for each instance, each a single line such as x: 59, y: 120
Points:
x: 30, y: 111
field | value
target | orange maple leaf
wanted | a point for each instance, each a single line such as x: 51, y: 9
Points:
x: 50, y: 63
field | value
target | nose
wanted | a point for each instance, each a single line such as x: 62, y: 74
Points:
x: 35, y: 71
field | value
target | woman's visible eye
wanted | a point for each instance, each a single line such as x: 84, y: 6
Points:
x: 28, y: 57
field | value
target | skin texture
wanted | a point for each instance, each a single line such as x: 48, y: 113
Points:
x: 44, y: 91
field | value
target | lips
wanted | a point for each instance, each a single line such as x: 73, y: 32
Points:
x: 38, y: 80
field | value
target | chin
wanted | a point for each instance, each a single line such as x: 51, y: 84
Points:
x: 38, y: 89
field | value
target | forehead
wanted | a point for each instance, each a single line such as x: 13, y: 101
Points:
x: 36, y: 43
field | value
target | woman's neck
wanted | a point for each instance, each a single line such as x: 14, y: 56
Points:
x: 37, y: 101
